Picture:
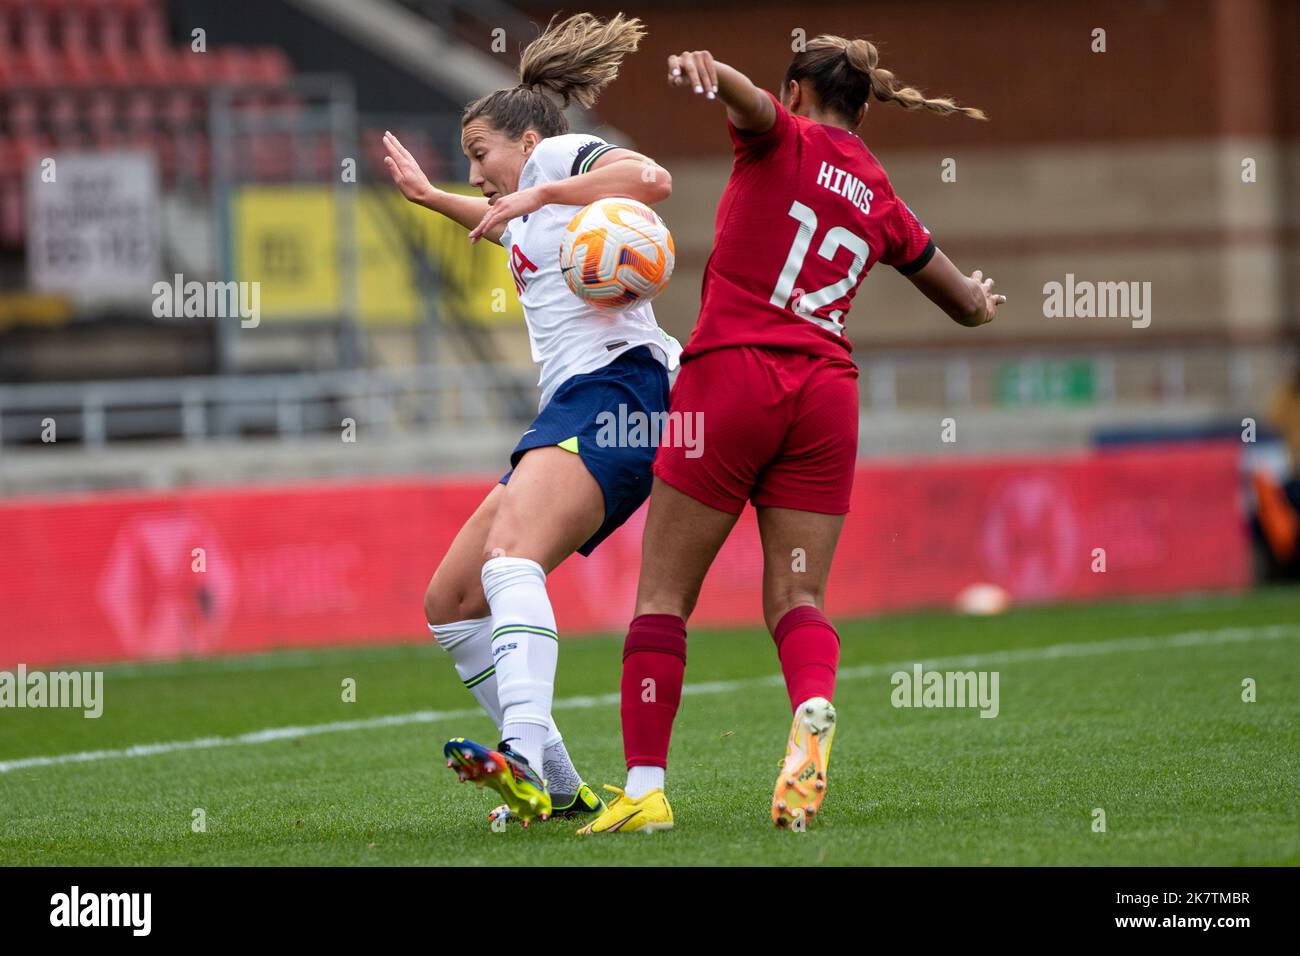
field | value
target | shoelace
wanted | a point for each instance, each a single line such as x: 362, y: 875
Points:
x: 505, y: 748
x: 507, y: 751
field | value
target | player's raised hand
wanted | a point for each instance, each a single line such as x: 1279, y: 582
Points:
x: 695, y: 69
x: 406, y: 172
x: 501, y: 209
x: 991, y: 301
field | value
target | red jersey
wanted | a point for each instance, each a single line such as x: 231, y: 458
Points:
x: 807, y: 212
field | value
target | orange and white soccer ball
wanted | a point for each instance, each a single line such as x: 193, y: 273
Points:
x: 616, y: 254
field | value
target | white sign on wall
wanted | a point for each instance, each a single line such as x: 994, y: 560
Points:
x: 93, y: 224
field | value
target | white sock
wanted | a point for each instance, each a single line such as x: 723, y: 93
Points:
x: 525, y: 649
x: 470, y: 645
x: 529, y: 742
x: 641, y: 780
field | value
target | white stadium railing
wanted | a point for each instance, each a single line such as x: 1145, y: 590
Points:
x: 1199, y: 378
x: 203, y: 408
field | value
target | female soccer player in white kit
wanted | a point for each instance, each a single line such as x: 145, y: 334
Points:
x: 566, y: 491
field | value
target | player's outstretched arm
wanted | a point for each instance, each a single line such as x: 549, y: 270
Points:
x: 967, y: 300
x: 748, y: 107
x: 415, y: 186
x: 618, y: 173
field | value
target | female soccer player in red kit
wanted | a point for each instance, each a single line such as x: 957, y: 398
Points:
x: 807, y: 212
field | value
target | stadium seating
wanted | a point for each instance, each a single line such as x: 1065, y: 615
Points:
x: 100, y: 74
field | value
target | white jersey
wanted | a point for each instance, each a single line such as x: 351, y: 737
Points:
x: 568, y: 336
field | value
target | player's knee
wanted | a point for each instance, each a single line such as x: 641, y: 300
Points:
x: 446, y: 605
x: 665, y: 602
x: 502, y: 538
x: 780, y: 602
x: 510, y: 542
x: 498, y: 551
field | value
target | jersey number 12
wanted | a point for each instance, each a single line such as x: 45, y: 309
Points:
x: 805, y: 305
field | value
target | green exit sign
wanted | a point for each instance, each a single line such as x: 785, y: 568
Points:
x: 1046, y: 382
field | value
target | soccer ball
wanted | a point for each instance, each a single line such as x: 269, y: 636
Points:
x: 616, y: 253
x: 983, y: 599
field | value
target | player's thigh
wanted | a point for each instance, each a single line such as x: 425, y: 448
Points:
x: 798, y: 547
x: 681, y: 538
x: 730, y: 409
x: 551, y: 505
x: 455, y: 592
x: 814, y: 470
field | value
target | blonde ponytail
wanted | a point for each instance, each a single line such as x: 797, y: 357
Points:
x: 579, y: 57
x: 571, y: 61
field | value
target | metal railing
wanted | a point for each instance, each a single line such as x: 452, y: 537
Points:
x: 431, y: 397
x: 199, y: 409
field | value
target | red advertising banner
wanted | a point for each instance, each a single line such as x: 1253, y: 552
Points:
x: 216, y: 571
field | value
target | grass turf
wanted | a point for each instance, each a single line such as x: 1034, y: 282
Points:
x: 1154, y: 733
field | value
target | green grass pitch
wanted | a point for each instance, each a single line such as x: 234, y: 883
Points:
x: 1131, y: 707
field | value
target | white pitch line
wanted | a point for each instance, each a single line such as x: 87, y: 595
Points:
x: 288, y: 658
x: 1199, y: 638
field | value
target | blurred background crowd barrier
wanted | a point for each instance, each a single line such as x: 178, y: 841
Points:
x: 197, y: 573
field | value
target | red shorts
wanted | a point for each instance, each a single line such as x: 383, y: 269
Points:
x: 778, y: 428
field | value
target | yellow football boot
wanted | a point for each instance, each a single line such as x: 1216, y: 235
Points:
x: 625, y: 815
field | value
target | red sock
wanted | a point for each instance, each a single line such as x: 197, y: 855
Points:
x: 654, y: 664
x: 809, y: 650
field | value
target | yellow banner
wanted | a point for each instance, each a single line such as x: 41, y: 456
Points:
x: 285, y: 237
